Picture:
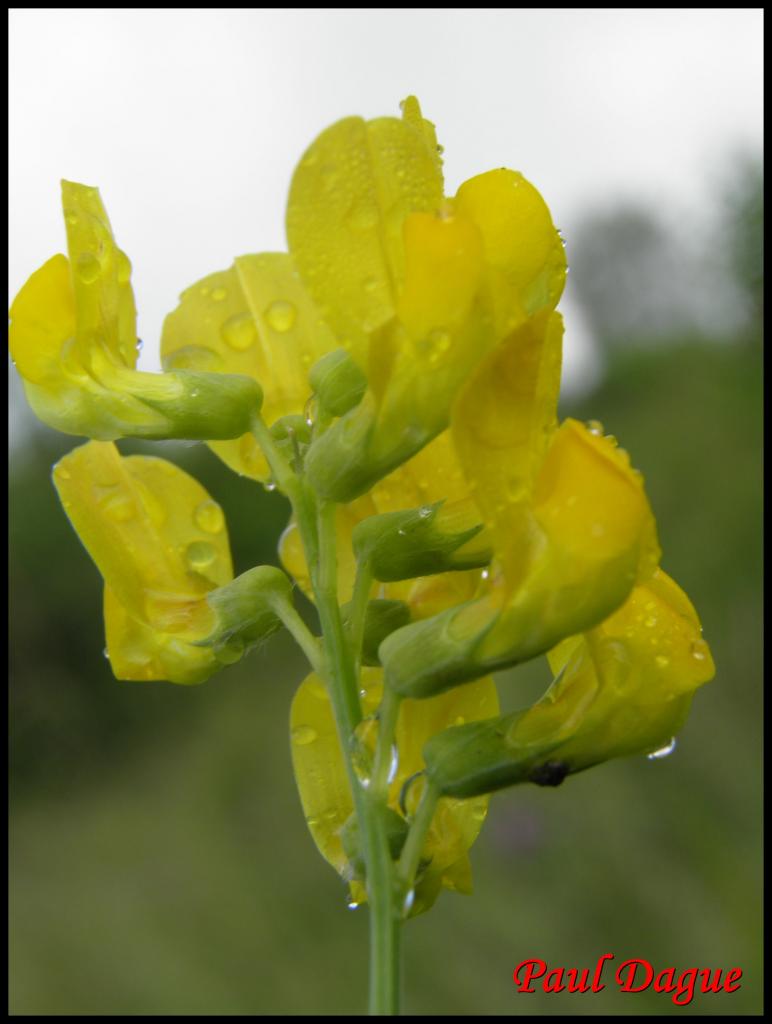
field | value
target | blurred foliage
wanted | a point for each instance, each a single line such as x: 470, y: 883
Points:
x: 159, y: 857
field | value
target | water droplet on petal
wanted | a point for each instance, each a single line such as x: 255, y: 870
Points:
x: 661, y: 661
x: 119, y: 507
x: 302, y: 735
x: 485, y: 574
x: 219, y: 294
x: 193, y: 357
x: 270, y: 485
x: 106, y: 654
x: 699, y: 650
x: 650, y: 622
x: 239, y: 331
x: 595, y: 427
x: 200, y: 554
x: 209, y: 517
x: 665, y: 751
x: 425, y: 511
x: 88, y: 267
x: 70, y: 217
x: 353, y: 905
x: 281, y: 316
x: 362, y: 217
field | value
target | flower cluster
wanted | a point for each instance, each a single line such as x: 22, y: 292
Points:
x: 400, y: 367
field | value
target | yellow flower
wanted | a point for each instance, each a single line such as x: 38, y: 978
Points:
x: 414, y: 286
x: 622, y: 688
x: 73, y: 340
x: 324, y: 789
x: 161, y: 545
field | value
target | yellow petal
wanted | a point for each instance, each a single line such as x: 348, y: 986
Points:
x: 138, y: 652
x: 155, y: 534
x: 323, y: 784
x: 101, y: 278
x: 348, y: 199
x: 504, y: 418
x: 522, y: 247
x: 631, y: 679
x: 42, y: 322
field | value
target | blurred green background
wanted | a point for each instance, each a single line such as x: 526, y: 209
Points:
x: 159, y: 857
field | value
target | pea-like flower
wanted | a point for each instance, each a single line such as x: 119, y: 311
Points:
x: 73, y: 340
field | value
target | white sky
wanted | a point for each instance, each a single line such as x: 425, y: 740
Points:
x: 191, y: 121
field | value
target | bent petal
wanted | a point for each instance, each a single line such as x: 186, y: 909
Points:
x: 156, y: 536
x: 139, y: 652
x: 323, y: 784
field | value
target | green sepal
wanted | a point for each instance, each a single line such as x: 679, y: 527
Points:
x: 404, y: 545
x: 338, y: 383
x: 208, y: 406
x: 292, y: 435
x: 476, y: 758
x: 382, y: 617
x: 247, y: 611
x: 432, y: 655
x: 395, y: 828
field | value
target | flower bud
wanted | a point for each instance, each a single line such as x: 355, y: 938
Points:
x: 338, y: 382
x: 404, y: 545
x: 247, y: 611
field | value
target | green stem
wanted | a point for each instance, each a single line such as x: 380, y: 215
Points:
x: 411, y: 851
x: 341, y: 673
x: 384, y: 915
x: 302, y: 635
x: 358, y: 609
x: 387, y: 724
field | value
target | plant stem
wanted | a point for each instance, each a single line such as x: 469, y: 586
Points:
x: 411, y: 851
x: 302, y: 635
x: 316, y: 522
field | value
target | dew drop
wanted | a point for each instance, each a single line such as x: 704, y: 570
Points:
x: 407, y: 904
x: 411, y: 793
x: 425, y: 511
x: 650, y: 622
x: 363, y: 745
x: 665, y: 751
x: 699, y: 649
x: 661, y: 661
x: 270, y: 485
x: 71, y: 217
x: 303, y: 735
x: 193, y: 357
x: 459, y: 720
x: 200, y: 554
x: 106, y: 654
x: 88, y: 267
x: 281, y: 316
x: 239, y: 331
x: 209, y: 517
x: 119, y: 507
x: 353, y: 905
x: 595, y: 427
x: 485, y: 574
x: 219, y: 294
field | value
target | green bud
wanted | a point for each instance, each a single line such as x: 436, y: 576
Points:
x: 382, y: 618
x: 395, y: 827
x: 433, y: 655
x: 477, y: 758
x: 247, y: 611
x: 404, y: 545
x: 207, y: 407
x: 338, y: 382
x: 292, y: 435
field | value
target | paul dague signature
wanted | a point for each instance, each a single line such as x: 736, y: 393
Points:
x: 630, y: 976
